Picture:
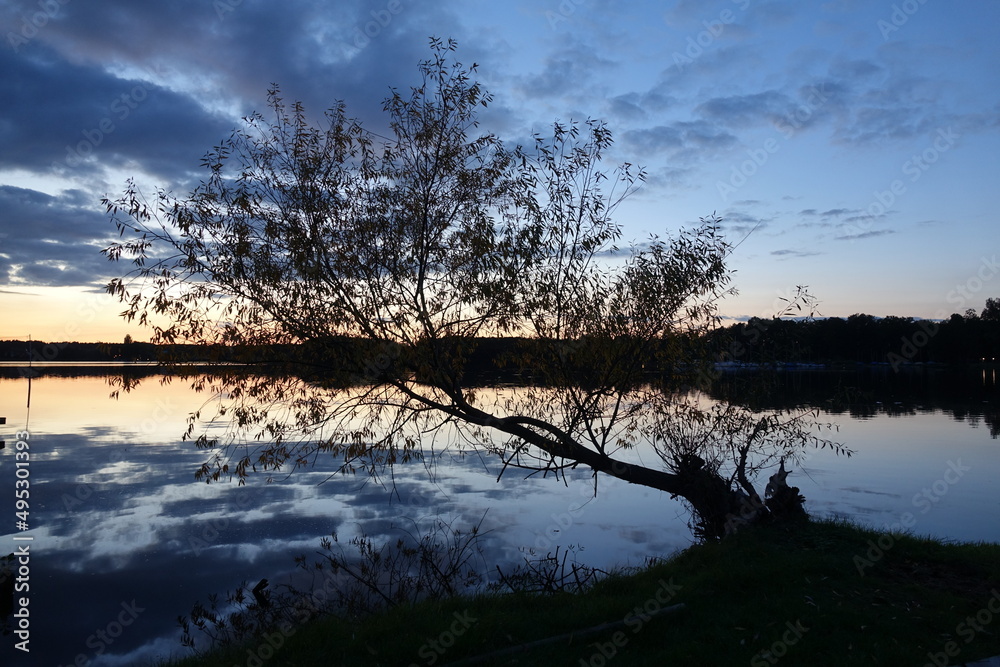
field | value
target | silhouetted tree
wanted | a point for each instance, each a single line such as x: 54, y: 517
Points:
x: 420, y: 244
x: 991, y: 312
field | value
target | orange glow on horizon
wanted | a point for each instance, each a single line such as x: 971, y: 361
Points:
x: 64, y: 314
x: 81, y: 314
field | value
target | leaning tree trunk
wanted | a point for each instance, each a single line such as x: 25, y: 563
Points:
x: 719, y: 509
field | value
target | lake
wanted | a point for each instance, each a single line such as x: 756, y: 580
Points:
x: 124, y: 540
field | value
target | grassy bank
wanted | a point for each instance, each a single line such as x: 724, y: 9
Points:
x: 825, y: 594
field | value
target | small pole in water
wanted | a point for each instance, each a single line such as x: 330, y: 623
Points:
x: 29, y: 381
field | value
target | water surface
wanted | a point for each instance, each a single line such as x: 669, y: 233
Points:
x: 122, y: 532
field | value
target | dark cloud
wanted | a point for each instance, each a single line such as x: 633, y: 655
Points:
x: 569, y: 72
x: 660, y: 138
x: 856, y: 69
x: 75, y: 120
x: 739, y: 225
x: 669, y: 178
x: 638, y: 107
x: 788, y: 253
x: 682, y: 139
x: 739, y: 217
x: 693, y: 14
x: 715, y: 65
x: 47, y: 240
x: 188, y: 61
x: 864, y: 235
x: 863, y: 101
x: 319, y: 52
x: 884, y: 100
x: 864, y: 217
x: 684, y: 11
x: 145, y: 89
x: 838, y: 212
x: 789, y: 112
x: 115, y: 87
x: 746, y: 110
x: 771, y: 13
x: 834, y: 213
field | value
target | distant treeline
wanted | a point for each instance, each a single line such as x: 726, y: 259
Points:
x: 40, y: 351
x: 866, y: 339
x: 352, y: 360
x: 861, y: 339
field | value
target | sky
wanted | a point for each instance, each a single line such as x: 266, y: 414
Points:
x: 850, y: 146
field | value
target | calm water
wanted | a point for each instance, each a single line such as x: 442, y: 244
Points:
x: 122, y: 532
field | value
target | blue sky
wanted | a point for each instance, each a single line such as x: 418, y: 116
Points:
x: 860, y: 140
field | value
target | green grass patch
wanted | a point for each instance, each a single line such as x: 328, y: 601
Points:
x: 822, y: 593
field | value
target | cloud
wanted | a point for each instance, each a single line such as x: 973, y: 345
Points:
x: 770, y: 14
x: 738, y: 225
x: 78, y: 120
x: 681, y: 139
x: 838, y: 212
x: 856, y: 69
x: 732, y: 216
x: 745, y: 110
x: 572, y: 71
x: 672, y: 177
x: 862, y: 101
x: 638, y: 106
x: 788, y: 253
x: 865, y: 217
x: 830, y: 216
x: 657, y: 139
x: 724, y: 65
x: 242, y: 47
x: 864, y: 235
x: 148, y: 88
x: 51, y: 240
x: 883, y: 100
x: 200, y: 61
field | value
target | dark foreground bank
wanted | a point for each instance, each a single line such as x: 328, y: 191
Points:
x: 823, y: 594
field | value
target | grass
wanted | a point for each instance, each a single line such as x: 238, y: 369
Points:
x: 769, y: 596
